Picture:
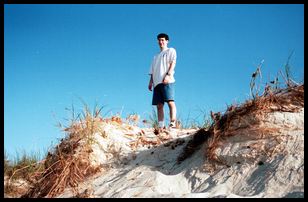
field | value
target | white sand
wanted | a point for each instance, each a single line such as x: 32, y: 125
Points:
x: 149, y: 171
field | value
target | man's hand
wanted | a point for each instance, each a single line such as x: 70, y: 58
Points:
x: 150, y: 83
x: 166, y: 79
x: 150, y: 86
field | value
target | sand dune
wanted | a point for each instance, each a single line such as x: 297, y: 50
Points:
x: 256, y: 154
x: 246, y: 172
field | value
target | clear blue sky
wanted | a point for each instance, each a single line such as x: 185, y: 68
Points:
x: 56, y: 54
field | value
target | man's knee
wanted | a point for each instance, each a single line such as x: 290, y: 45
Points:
x: 160, y: 106
x: 171, y: 103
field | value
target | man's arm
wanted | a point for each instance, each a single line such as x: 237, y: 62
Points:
x: 171, y: 67
x: 150, y: 83
x: 170, y: 70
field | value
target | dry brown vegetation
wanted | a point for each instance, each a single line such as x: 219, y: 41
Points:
x: 69, y: 163
x: 248, y: 117
x: 290, y: 99
x: 20, y: 172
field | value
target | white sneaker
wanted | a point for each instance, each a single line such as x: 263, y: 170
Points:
x: 161, y: 124
x: 172, y: 124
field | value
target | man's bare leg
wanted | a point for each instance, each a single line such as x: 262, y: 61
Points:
x: 172, y: 111
x: 160, y: 113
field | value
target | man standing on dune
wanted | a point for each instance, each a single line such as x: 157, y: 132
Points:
x: 162, y: 78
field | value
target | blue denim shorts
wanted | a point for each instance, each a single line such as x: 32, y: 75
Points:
x: 163, y: 93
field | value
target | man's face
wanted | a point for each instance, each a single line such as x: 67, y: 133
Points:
x: 162, y: 42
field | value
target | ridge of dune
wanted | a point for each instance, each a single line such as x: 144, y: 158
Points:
x: 259, y: 154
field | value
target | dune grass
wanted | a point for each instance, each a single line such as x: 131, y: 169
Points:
x: 286, y: 97
x: 65, y: 166
x: 283, y: 97
x: 25, y: 166
x: 22, y: 165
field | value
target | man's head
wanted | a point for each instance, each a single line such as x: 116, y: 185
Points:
x: 163, y: 35
x: 163, y: 40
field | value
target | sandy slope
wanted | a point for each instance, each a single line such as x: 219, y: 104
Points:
x: 255, y: 150
x: 267, y: 166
